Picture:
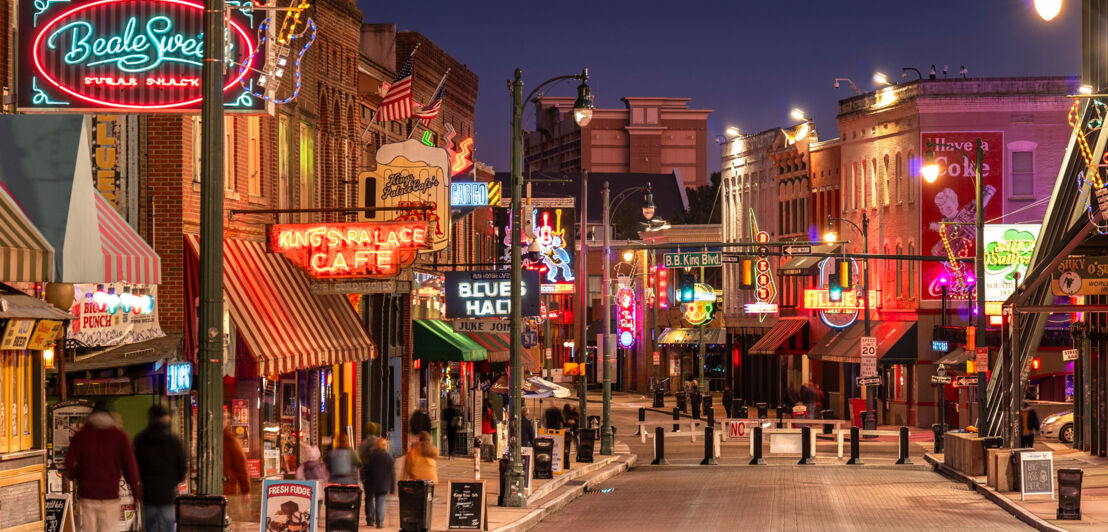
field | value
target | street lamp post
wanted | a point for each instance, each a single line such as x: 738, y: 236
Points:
x: 871, y: 401
x: 582, y: 114
x: 930, y: 173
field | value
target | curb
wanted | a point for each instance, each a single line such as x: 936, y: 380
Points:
x: 614, y: 466
x: 993, y: 495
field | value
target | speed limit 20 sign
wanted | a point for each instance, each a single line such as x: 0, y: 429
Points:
x: 869, y: 356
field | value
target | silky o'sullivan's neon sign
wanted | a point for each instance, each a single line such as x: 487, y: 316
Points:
x: 349, y: 249
x: 127, y: 54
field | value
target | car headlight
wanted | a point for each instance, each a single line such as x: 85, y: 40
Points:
x: 1051, y: 419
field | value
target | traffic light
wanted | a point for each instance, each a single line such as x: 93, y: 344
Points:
x: 1036, y: 363
x: 748, y: 273
x: 971, y: 338
x: 835, y: 288
x: 844, y: 273
x: 686, y: 289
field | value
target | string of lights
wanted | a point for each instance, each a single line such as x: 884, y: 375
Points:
x: 278, y: 72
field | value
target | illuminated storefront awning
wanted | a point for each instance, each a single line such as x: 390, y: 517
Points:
x: 25, y: 255
x: 691, y: 336
x: 282, y: 323
x: 897, y: 342
x: 436, y: 341
x: 894, y: 343
x: 784, y: 329
x: 166, y: 349
x: 498, y: 346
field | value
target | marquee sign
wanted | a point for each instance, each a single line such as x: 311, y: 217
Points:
x: 700, y: 310
x: 765, y: 289
x: 625, y: 317
x: 820, y: 299
x: 128, y: 55
x: 349, y: 249
x: 488, y: 294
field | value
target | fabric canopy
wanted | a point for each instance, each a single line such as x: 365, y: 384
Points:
x: 25, y: 255
x: 498, y: 346
x: 167, y: 348
x: 845, y: 345
x: 691, y: 336
x: 46, y: 166
x: 17, y: 305
x: 784, y: 329
x: 897, y: 342
x: 435, y: 340
x: 957, y: 356
x: 283, y: 324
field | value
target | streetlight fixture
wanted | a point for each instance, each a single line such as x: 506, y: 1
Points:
x: 871, y: 401
x: 853, y: 87
x: 930, y: 172
x: 830, y: 237
x: 582, y: 114
x: 1048, y: 9
x: 733, y: 132
x: 881, y: 79
x: 798, y: 114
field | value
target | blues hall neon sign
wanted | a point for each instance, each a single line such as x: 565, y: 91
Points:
x: 140, y: 55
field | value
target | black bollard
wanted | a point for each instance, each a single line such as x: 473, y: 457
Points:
x: 904, y: 447
x: 855, y: 436
x: 780, y: 414
x: 659, y: 447
x: 676, y: 419
x: 806, y: 446
x: 642, y: 419
x: 757, y: 459
x: 709, y: 446
x: 710, y: 413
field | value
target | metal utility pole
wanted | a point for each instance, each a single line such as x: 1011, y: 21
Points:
x: 871, y: 398
x: 515, y: 496
x: 210, y: 331
x: 979, y: 285
x: 581, y: 316
x: 606, y: 319
x: 702, y: 383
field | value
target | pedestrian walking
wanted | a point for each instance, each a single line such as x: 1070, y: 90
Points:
x: 162, y: 464
x: 343, y: 462
x: 420, y: 421
x: 419, y: 462
x: 455, y: 421
x: 98, y: 456
x: 236, y: 479
x: 695, y: 400
x: 810, y: 397
x: 553, y: 419
x: 527, y: 428
x: 312, y: 468
x: 728, y: 398
x: 378, y: 480
x: 1029, y: 425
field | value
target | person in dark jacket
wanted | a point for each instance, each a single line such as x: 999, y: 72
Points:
x: 526, y: 428
x: 553, y: 419
x: 728, y: 399
x: 162, y: 465
x: 420, y: 421
x: 98, y: 455
x: 378, y: 480
x: 455, y: 421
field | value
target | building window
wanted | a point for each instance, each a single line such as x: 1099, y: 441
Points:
x: 283, y: 165
x: 854, y: 188
x: 873, y: 182
x: 885, y: 181
x: 196, y: 149
x: 899, y: 178
x: 594, y: 285
x: 913, y: 285
x: 254, y: 155
x: 307, y: 166
x: 1023, y: 173
x: 899, y: 273
x: 913, y: 165
x: 229, y: 152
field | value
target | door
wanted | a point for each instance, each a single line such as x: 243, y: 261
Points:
x: 395, y: 441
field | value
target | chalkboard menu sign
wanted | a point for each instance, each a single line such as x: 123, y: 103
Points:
x: 585, y: 445
x: 59, y: 515
x: 467, y: 505
x: 1036, y: 474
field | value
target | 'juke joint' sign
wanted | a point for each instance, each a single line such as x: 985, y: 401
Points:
x: 137, y: 55
x: 344, y: 250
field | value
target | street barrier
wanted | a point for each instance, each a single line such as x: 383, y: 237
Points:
x: 903, y: 458
x: 806, y: 446
x: 642, y: 419
x: 763, y: 410
x: 709, y: 446
x: 855, y: 437
x: 676, y: 419
x: 659, y: 447
x: 756, y: 449
x: 741, y: 428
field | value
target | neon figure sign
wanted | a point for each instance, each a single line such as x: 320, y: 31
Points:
x: 349, y: 249
x: 142, y: 55
x: 625, y: 317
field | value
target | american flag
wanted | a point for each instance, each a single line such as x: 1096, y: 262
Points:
x: 432, y: 108
x: 397, y: 102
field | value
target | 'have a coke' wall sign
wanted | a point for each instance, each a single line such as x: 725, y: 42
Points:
x: 128, y: 55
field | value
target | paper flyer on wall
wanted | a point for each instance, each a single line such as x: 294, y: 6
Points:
x: 288, y: 505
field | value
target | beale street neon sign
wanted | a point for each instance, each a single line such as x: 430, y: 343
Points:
x: 138, y: 55
x: 625, y: 317
x: 346, y: 250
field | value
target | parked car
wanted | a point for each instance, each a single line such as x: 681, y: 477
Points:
x: 1059, y: 426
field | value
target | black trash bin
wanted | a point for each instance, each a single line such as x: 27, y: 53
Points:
x: 1069, y: 493
x: 343, y: 504
x: 682, y: 401
x: 937, y: 431
x: 659, y: 395
x: 462, y: 439
x: 544, y: 458
x: 827, y: 414
x: 200, y: 513
x: 763, y: 410
x: 415, y: 504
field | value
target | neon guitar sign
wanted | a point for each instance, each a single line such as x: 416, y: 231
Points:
x: 141, y: 55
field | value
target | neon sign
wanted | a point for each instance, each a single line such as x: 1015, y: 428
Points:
x: 699, y: 311
x: 178, y: 378
x: 820, y: 299
x: 555, y: 259
x: 488, y: 294
x: 139, y: 55
x: 765, y: 290
x: 349, y: 249
x: 463, y: 158
x: 469, y: 194
x: 625, y: 317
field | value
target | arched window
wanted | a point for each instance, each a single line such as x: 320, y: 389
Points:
x: 913, y: 283
x: 913, y: 164
x: 899, y: 272
x: 873, y: 181
x: 899, y: 178
x: 885, y: 180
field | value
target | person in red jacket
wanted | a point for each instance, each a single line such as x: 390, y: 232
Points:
x: 236, y: 478
x: 99, y: 454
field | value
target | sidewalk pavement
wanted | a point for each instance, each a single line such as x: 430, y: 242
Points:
x: 1040, y: 511
x: 546, y: 495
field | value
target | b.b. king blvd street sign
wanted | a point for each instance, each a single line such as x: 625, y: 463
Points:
x: 693, y: 259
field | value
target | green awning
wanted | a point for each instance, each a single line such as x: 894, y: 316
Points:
x: 436, y: 341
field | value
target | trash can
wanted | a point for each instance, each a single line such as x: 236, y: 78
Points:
x: 462, y: 438
x: 827, y: 414
x: 488, y: 452
x: 659, y: 395
x: 200, y: 513
x: 1014, y: 461
x: 763, y: 410
x: 544, y: 457
x: 415, y: 504
x: 682, y: 401
x: 1069, y: 493
x: 343, y: 504
x: 937, y: 431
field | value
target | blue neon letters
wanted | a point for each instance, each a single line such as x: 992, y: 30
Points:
x: 130, y: 52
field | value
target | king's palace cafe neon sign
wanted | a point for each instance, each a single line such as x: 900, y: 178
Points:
x: 347, y: 250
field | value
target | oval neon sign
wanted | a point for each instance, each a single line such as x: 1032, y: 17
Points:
x: 145, y: 54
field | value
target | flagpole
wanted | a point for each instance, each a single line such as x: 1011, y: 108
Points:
x: 433, y: 94
x: 410, y: 55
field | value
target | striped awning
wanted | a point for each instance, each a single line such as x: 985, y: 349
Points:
x: 25, y: 255
x: 781, y: 331
x: 498, y: 345
x: 126, y: 256
x: 691, y: 336
x: 436, y: 341
x: 283, y: 324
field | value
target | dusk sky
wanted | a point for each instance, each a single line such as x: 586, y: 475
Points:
x: 748, y: 61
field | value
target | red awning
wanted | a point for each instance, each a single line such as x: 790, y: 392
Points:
x: 127, y: 257
x: 283, y: 324
x: 781, y: 331
x: 497, y: 345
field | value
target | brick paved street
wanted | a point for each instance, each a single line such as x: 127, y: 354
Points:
x: 781, y: 498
